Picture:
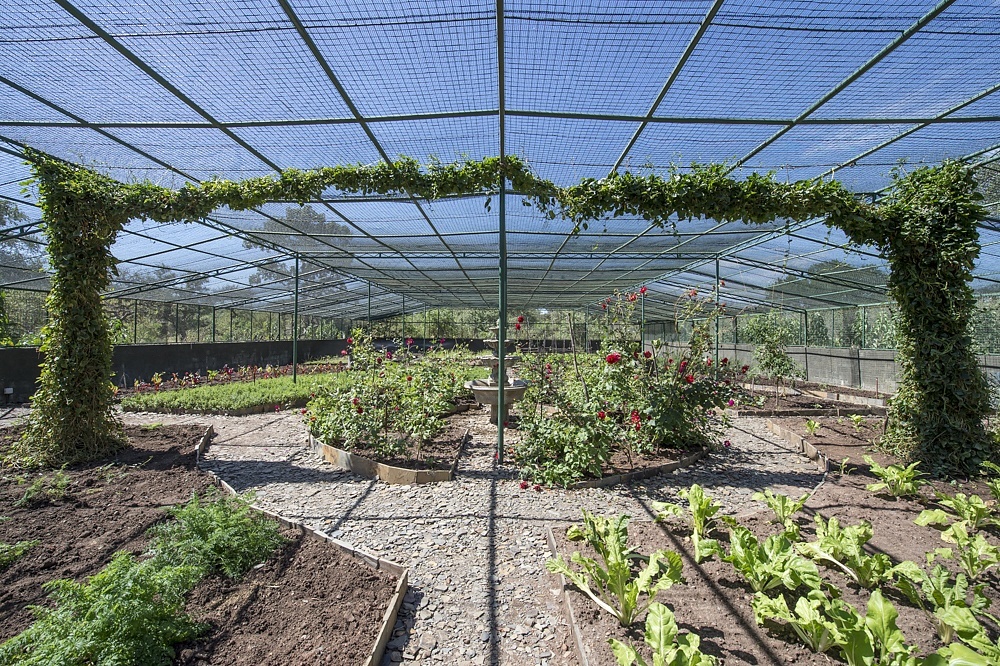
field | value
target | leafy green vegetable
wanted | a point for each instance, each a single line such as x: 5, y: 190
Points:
x: 936, y: 594
x: 702, y: 510
x: 818, y: 621
x: 972, y: 509
x: 896, y: 480
x: 974, y: 554
x: 669, y: 647
x: 12, y: 552
x: 771, y: 564
x: 611, y: 583
x: 844, y: 548
x: 784, y: 508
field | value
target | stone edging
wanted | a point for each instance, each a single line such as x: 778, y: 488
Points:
x: 846, y: 397
x: 203, y: 443
x: 827, y: 411
x: 242, y: 411
x: 803, y: 445
x: 615, y: 479
x: 574, y: 628
x: 371, y: 469
x: 401, y: 573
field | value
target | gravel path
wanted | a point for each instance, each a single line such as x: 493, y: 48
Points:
x: 479, y: 592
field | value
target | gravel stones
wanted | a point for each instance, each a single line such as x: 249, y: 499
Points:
x: 476, y: 548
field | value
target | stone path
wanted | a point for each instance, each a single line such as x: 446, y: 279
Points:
x: 476, y: 547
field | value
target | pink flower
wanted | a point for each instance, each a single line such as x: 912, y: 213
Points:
x: 613, y: 358
x: 388, y: 355
x: 727, y: 443
x: 731, y: 402
x: 689, y: 379
x: 343, y: 352
x: 693, y: 293
x: 524, y: 485
x: 647, y: 354
x: 441, y: 340
x: 409, y: 341
x: 277, y: 408
x: 708, y: 363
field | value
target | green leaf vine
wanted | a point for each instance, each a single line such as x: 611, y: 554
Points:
x: 926, y: 229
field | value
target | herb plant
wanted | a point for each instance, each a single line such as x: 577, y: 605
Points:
x: 670, y: 648
x: 611, y: 583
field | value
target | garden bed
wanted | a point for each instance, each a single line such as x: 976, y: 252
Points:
x: 793, y: 402
x: 82, y: 518
x: 714, y: 602
x: 431, y: 462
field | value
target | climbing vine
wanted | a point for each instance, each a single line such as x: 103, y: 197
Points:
x: 929, y: 221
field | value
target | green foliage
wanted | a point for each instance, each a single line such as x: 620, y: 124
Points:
x: 784, y: 508
x: 387, y: 400
x: 983, y: 652
x: 224, y: 536
x: 818, y: 621
x: 974, y: 554
x: 972, y: 510
x: 844, y: 548
x: 771, y: 564
x: 132, y: 611
x: 858, y: 421
x: 217, y: 398
x: 611, y: 582
x: 896, y: 480
x: 993, y: 483
x: 12, y: 552
x: 812, y: 426
x: 669, y: 647
x: 927, y: 229
x: 937, y: 595
x: 702, y: 510
x: 45, y: 488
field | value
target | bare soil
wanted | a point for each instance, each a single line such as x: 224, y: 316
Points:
x: 439, y: 453
x: 308, y: 597
x: 715, y: 602
x: 816, y: 386
x: 789, y: 402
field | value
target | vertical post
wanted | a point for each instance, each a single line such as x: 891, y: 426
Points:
x: 251, y: 326
x: 198, y: 334
x: 295, y: 326
x: 230, y: 324
x: 718, y: 314
x: 502, y: 271
x: 805, y: 341
x: 369, y: 308
x: 586, y: 333
x: 864, y: 326
x: 213, y: 323
x: 177, y: 322
x: 402, y: 320
x: 135, y: 322
x: 642, y: 322
x: 270, y: 325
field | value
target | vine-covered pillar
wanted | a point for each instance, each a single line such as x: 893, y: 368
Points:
x: 932, y: 242
x: 72, y: 417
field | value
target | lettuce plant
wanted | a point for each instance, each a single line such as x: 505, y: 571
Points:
x: 936, y: 595
x: 994, y: 484
x: 974, y: 554
x: 976, y: 648
x: 896, y: 480
x: 819, y: 622
x: 702, y: 510
x: 771, y: 564
x: 784, y: 507
x: 670, y: 648
x: 972, y: 509
x: 611, y: 582
x: 843, y: 547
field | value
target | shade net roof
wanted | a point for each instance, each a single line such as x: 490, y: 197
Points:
x: 180, y: 90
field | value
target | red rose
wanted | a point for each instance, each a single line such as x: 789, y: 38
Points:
x: 520, y: 319
x: 524, y: 485
x: 409, y: 341
x: 361, y: 410
x: 642, y: 289
x: 409, y: 378
x: 517, y: 327
x: 604, y: 306
x: 350, y: 341
x: 388, y: 355
x: 683, y: 365
x: 613, y: 358
x: 601, y: 414
x: 724, y: 361
x: 744, y: 369
x: 537, y: 488
x: 689, y: 379
x: 647, y: 354
x: 634, y: 416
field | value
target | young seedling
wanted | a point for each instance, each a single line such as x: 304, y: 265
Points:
x: 843, y: 469
x: 669, y: 647
x: 896, y: 480
x: 703, y: 522
x: 812, y: 426
x: 610, y: 583
x: 858, y: 421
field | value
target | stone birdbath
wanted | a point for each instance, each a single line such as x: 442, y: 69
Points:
x: 486, y: 391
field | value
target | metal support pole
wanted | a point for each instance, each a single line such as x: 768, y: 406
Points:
x: 213, y: 323
x: 502, y: 290
x: 230, y: 324
x: 251, y: 326
x: 642, y: 322
x: 718, y: 315
x: 402, y: 320
x: 177, y: 322
x: 135, y: 322
x: 270, y: 325
x: 198, y: 334
x: 864, y: 326
x: 295, y: 327
x: 369, y: 307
